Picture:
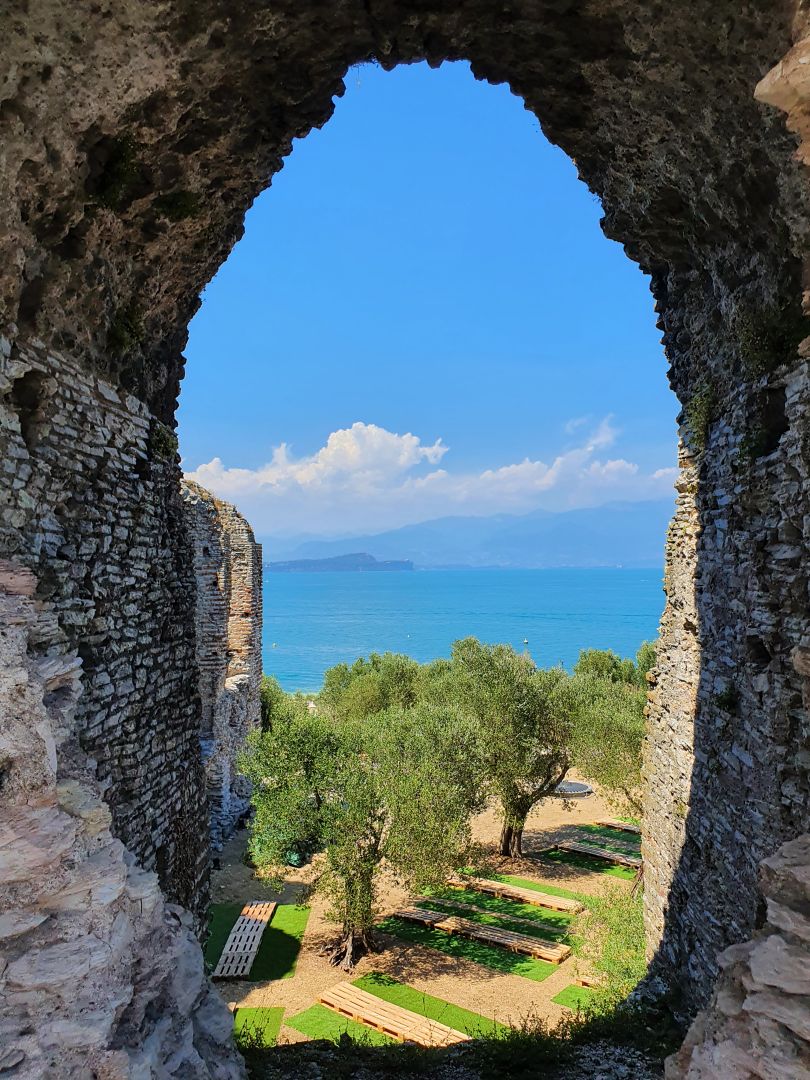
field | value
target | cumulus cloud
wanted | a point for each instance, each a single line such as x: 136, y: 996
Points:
x: 367, y: 478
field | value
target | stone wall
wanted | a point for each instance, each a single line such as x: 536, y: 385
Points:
x: 758, y: 1022
x: 228, y: 571
x: 92, y: 958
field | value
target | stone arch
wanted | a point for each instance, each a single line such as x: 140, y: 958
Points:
x: 134, y: 139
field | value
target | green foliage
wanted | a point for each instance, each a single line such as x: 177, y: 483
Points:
x: 609, y: 735
x: 178, y: 205
x: 699, y: 413
x: 605, y: 664
x: 384, y: 681
x: 610, y: 935
x: 525, y: 719
x: 728, y: 700
x: 770, y: 337
x: 256, y: 1028
x: 645, y: 662
x: 274, y: 702
x: 125, y: 330
x: 162, y: 442
x: 120, y: 173
x: 400, y: 786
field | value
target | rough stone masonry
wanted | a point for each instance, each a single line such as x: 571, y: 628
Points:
x: 133, y: 137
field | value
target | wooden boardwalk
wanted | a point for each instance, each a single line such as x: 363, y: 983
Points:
x: 600, y: 853
x: 611, y: 823
x: 551, y: 951
x: 392, y: 1020
x: 517, y: 892
x: 243, y: 941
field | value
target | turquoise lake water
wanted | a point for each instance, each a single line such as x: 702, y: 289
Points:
x: 317, y: 620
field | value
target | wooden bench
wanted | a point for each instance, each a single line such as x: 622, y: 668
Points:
x: 627, y: 846
x: 243, y: 941
x: 494, y: 935
x: 611, y: 823
x: 392, y: 1020
x: 423, y: 915
x: 600, y: 853
x: 554, y: 928
x: 517, y: 892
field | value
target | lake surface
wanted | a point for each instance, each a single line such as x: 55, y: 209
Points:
x: 317, y: 620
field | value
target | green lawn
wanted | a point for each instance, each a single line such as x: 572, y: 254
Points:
x: 489, y: 919
x: 473, y: 1024
x: 575, y: 997
x: 588, y: 862
x: 257, y: 1025
x: 318, y: 1022
x: 604, y: 836
x: 538, y: 886
x: 490, y: 956
x: 498, y: 905
x: 280, y: 944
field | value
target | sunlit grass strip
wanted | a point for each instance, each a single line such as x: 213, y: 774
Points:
x: 538, y: 886
x: 486, y: 918
x: 443, y: 1012
x: 607, y: 835
x: 279, y: 947
x: 318, y: 1022
x: 280, y: 944
x: 500, y: 905
x: 586, y: 862
x: 575, y: 997
x: 257, y: 1027
x: 490, y: 956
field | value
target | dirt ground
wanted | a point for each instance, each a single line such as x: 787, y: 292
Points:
x: 504, y: 997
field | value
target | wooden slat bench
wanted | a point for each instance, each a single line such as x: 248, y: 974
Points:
x: 627, y: 846
x: 243, y: 941
x: 494, y: 935
x: 423, y: 915
x: 600, y: 853
x: 517, y: 919
x: 392, y: 1020
x: 611, y: 823
x: 517, y: 892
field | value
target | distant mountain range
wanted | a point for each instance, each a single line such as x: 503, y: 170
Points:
x: 617, y: 534
x: 353, y: 561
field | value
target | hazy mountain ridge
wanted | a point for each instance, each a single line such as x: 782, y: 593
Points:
x: 617, y: 534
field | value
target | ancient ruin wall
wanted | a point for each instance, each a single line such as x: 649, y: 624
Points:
x: 227, y: 568
x: 134, y: 138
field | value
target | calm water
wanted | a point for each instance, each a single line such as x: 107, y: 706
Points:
x: 317, y: 620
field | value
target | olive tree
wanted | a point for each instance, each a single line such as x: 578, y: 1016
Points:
x: 398, y: 788
x: 525, y: 717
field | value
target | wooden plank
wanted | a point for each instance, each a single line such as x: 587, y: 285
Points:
x: 600, y: 853
x: 243, y: 941
x: 525, y: 896
x: 612, y: 823
x: 401, y: 1024
x: 517, y: 919
x: 626, y: 846
x: 422, y: 915
x: 552, y: 951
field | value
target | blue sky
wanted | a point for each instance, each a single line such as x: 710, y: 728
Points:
x: 426, y: 266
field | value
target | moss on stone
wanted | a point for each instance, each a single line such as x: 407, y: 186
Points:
x: 178, y: 205
x: 728, y: 699
x: 126, y: 329
x: 162, y: 442
x: 120, y: 173
x: 699, y: 414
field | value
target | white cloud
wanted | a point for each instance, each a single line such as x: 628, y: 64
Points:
x: 367, y: 478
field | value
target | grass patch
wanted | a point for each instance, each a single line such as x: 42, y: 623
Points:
x: 443, y: 1012
x: 588, y: 862
x: 490, y: 956
x: 537, y: 886
x: 605, y: 833
x: 280, y: 944
x: 257, y: 1027
x: 486, y: 918
x: 221, y: 918
x: 318, y: 1022
x: 631, y: 821
x: 575, y: 997
x: 498, y: 905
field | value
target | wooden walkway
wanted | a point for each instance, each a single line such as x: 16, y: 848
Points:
x: 551, y: 951
x: 611, y: 823
x: 243, y: 941
x: 517, y: 892
x: 600, y: 853
x: 400, y: 1024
